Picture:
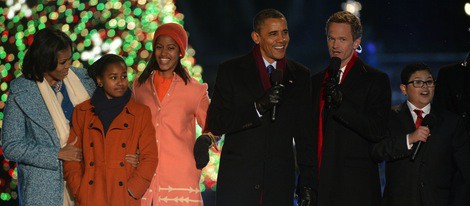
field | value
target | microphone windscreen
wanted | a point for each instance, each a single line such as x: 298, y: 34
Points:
x: 335, y: 64
x: 276, y: 76
x: 428, y: 120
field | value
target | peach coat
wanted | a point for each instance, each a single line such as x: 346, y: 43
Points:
x: 104, y: 176
x: 177, y: 178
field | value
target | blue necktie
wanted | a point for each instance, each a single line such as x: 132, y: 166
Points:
x: 270, y: 69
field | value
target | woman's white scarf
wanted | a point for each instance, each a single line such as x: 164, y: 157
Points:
x: 77, y: 94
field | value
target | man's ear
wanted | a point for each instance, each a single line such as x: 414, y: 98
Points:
x: 356, y: 43
x: 255, y: 37
x: 403, y: 89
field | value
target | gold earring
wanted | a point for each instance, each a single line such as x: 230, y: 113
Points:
x: 100, y: 85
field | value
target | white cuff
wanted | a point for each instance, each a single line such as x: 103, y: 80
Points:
x: 408, y: 142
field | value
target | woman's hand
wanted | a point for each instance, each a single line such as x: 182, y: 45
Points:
x: 71, y: 153
x: 133, y: 159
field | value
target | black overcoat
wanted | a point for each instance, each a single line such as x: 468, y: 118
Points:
x: 258, y: 159
x: 348, y: 174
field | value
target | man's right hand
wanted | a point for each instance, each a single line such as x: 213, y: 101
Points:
x: 420, y: 134
x: 201, y: 151
x: 333, y: 94
x: 269, y: 99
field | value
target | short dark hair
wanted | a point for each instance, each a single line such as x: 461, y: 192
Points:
x: 41, y: 56
x: 411, y: 69
x: 347, y: 18
x: 99, y: 66
x: 263, y: 15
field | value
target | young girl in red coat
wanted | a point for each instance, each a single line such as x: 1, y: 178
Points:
x: 109, y: 127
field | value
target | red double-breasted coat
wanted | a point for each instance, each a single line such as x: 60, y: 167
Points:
x: 104, y: 177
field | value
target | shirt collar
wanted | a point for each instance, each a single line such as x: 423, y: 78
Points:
x: 266, y: 63
x: 426, y: 109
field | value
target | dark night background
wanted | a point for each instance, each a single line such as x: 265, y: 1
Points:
x: 396, y: 33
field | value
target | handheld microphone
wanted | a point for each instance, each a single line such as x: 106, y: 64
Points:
x: 276, y: 79
x: 335, y: 64
x: 428, y: 121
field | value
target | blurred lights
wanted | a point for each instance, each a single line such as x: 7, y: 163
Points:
x: 467, y: 8
x: 352, y: 6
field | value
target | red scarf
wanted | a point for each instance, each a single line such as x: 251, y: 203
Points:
x: 263, y: 72
x: 322, y: 104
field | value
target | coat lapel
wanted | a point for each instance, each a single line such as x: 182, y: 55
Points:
x: 288, y: 77
x: 405, y: 117
x: 355, y: 77
x: 28, y: 102
x: 251, y: 76
x: 433, y: 127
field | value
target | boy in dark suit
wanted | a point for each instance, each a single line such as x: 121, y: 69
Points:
x: 425, y: 180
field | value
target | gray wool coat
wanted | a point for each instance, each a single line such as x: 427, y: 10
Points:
x: 29, y: 139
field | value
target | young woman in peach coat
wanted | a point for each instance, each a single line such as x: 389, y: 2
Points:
x: 177, y: 103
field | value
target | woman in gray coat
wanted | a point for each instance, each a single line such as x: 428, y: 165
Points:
x: 37, y: 114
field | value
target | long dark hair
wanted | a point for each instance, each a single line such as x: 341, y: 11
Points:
x: 41, y: 56
x: 153, y: 65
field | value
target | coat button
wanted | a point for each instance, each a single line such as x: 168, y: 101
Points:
x: 120, y: 183
x: 422, y: 184
x: 90, y: 182
x: 91, y: 144
x: 91, y: 124
x: 125, y: 125
x: 123, y: 145
x: 92, y: 163
x: 122, y: 164
x: 257, y: 187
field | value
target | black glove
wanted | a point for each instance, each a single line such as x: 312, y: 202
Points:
x: 201, y: 151
x: 308, y: 197
x: 269, y: 99
x: 333, y: 94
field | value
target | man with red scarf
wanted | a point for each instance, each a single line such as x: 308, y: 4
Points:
x: 351, y: 115
x: 257, y: 165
